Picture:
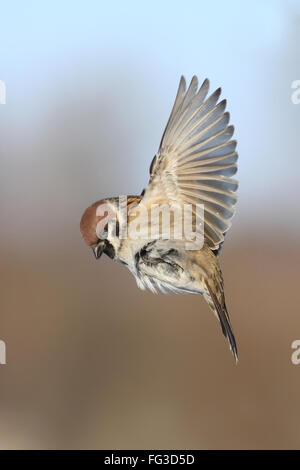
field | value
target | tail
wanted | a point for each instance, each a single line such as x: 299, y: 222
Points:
x: 216, y: 301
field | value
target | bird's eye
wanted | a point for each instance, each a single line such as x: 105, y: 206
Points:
x: 117, y: 228
x: 114, y: 231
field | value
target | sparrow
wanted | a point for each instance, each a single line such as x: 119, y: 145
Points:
x: 193, y: 167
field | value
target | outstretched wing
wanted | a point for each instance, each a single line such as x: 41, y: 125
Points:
x: 197, y: 158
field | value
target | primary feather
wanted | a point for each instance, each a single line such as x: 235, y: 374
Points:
x: 197, y: 159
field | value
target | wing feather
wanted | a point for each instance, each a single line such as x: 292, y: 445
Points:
x: 197, y: 159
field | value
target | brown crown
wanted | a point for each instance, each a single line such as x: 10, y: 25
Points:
x: 89, y: 222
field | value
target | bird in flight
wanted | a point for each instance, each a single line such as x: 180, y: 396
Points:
x: 191, y: 176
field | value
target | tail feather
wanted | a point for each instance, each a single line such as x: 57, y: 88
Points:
x: 219, y: 308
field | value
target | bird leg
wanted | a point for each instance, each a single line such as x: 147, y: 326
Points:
x: 150, y: 261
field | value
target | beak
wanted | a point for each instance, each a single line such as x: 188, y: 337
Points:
x: 98, y: 250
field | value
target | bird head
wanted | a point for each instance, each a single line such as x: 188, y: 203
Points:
x: 94, y: 227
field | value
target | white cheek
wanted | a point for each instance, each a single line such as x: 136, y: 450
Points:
x: 107, y: 214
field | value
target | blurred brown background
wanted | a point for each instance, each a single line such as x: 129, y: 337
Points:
x: 93, y: 362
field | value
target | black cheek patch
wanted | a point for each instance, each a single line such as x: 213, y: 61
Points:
x: 109, y: 250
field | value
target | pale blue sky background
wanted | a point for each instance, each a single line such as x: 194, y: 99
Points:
x: 101, y: 78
